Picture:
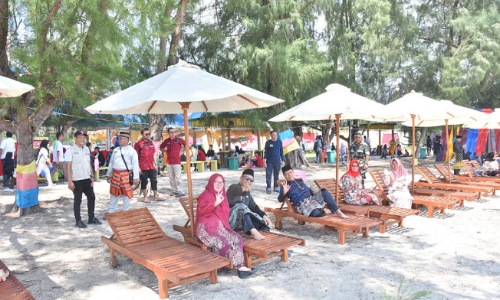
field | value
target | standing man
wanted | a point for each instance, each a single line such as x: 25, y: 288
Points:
x: 7, y: 145
x: 458, y: 149
x: 147, y: 163
x: 392, y: 147
x: 359, y: 150
x: 58, y: 152
x: 429, y: 145
x: 273, y: 157
x: 123, y: 161
x: 80, y: 178
x: 245, y: 214
x: 173, y: 147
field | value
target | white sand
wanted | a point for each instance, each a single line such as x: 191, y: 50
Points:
x: 454, y: 256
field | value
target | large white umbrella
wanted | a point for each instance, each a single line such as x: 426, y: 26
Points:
x: 337, y: 102
x: 490, y: 121
x: 13, y: 88
x: 417, y: 108
x: 182, y: 88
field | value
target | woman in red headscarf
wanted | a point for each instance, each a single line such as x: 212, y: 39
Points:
x: 397, y: 181
x: 212, y: 225
x: 352, y: 185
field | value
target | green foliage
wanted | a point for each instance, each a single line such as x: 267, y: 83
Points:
x: 406, y: 291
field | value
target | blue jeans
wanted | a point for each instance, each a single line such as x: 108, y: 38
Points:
x: 6, y: 177
x: 330, y: 201
x: 273, y: 168
x: 318, y: 157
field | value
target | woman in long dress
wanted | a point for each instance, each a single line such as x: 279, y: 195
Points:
x: 212, y: 225
x: 352, y: 185
x: 397, y: 180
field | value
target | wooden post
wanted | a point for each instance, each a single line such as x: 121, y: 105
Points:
x: 337, y: 150
x: 185, y: 107
x: 412, y: 151
x: 258, y: 139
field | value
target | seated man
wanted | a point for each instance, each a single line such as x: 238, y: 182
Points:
x: 303, y: 198
x: 245, y: 213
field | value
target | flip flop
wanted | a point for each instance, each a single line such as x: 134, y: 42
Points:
x: 142, y: 200
x: 160, y: 199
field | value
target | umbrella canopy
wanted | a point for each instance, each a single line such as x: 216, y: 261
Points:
x: 183, y: 82
x: 182, y: 88
x: 456, y: 115
x: 337, y: 102
x: 490, y: 121
x: 13, y: 88
x: 337, y: 99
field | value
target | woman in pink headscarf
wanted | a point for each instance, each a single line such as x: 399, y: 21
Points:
x: 397, y: 180
x: 352, y: 185
x: 212, y: 225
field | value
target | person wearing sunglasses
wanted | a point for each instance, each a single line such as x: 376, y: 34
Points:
x: 245, y: 214
x: 146, y: 152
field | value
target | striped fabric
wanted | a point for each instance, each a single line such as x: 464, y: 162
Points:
x: 27, y: 185
x: 120, y: 185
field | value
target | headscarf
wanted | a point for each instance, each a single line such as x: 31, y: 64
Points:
x: 209, y: 194
x: 400, y: 170
x: 351, y: 172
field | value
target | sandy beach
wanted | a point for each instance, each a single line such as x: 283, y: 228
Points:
x: 452, y: 256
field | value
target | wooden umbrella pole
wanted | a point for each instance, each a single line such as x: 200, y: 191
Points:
x: 185, y: 107
x: 413, y: 152
x: 448, y: 157
x: 337, y: 150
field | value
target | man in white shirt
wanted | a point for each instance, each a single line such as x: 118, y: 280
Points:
x: 7, y: 145
x: 58, y: 152
x: 123, y: 161
x: 80, y: 178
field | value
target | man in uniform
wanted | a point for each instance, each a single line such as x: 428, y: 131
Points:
x: 81, y: 179
x: 359, y: 150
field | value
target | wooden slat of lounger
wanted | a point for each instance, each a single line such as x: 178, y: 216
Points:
x: 172, y: 262
x: 433, y: 181
x: 447, y: 173
x: 12, y: 288
x: 426, y: 191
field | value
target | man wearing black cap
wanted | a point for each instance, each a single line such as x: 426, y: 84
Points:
x: 123, y: 161
x: 80, y: 178
x: 303, y: 198
x: 245, y: 213
x: 458, y: 149
x: 360, y: 151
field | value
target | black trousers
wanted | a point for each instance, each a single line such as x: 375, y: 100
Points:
x: 152, y: 176
x: 250, y: 222
x: 83, y: 187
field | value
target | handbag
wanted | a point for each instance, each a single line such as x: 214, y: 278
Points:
x: 130, y: 174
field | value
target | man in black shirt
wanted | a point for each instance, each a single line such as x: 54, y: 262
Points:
x: 245, y: 214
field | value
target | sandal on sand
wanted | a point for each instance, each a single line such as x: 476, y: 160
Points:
x: 160, y: 199
x: 145, y: 201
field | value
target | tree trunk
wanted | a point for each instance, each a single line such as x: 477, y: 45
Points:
x: 157, y: 122
x: 25, y: 155
x: 328, y: 133
x: 296, y: 159
x: 421, y: 140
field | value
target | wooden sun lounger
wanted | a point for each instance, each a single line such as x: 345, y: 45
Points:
x: 255, y: 250
x: 12, y: 288
x: 432, y: 202
x: 447, y: 173
x: 470, y: 170
x: 137, y: 235
x: 344, y: 227
x: 433, y: 182
x: 389, y: 215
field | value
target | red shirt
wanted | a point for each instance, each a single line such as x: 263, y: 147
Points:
x: 258, y: 161
x: 173, y: 150
x: 201, y: 155
x: 146, y: 152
